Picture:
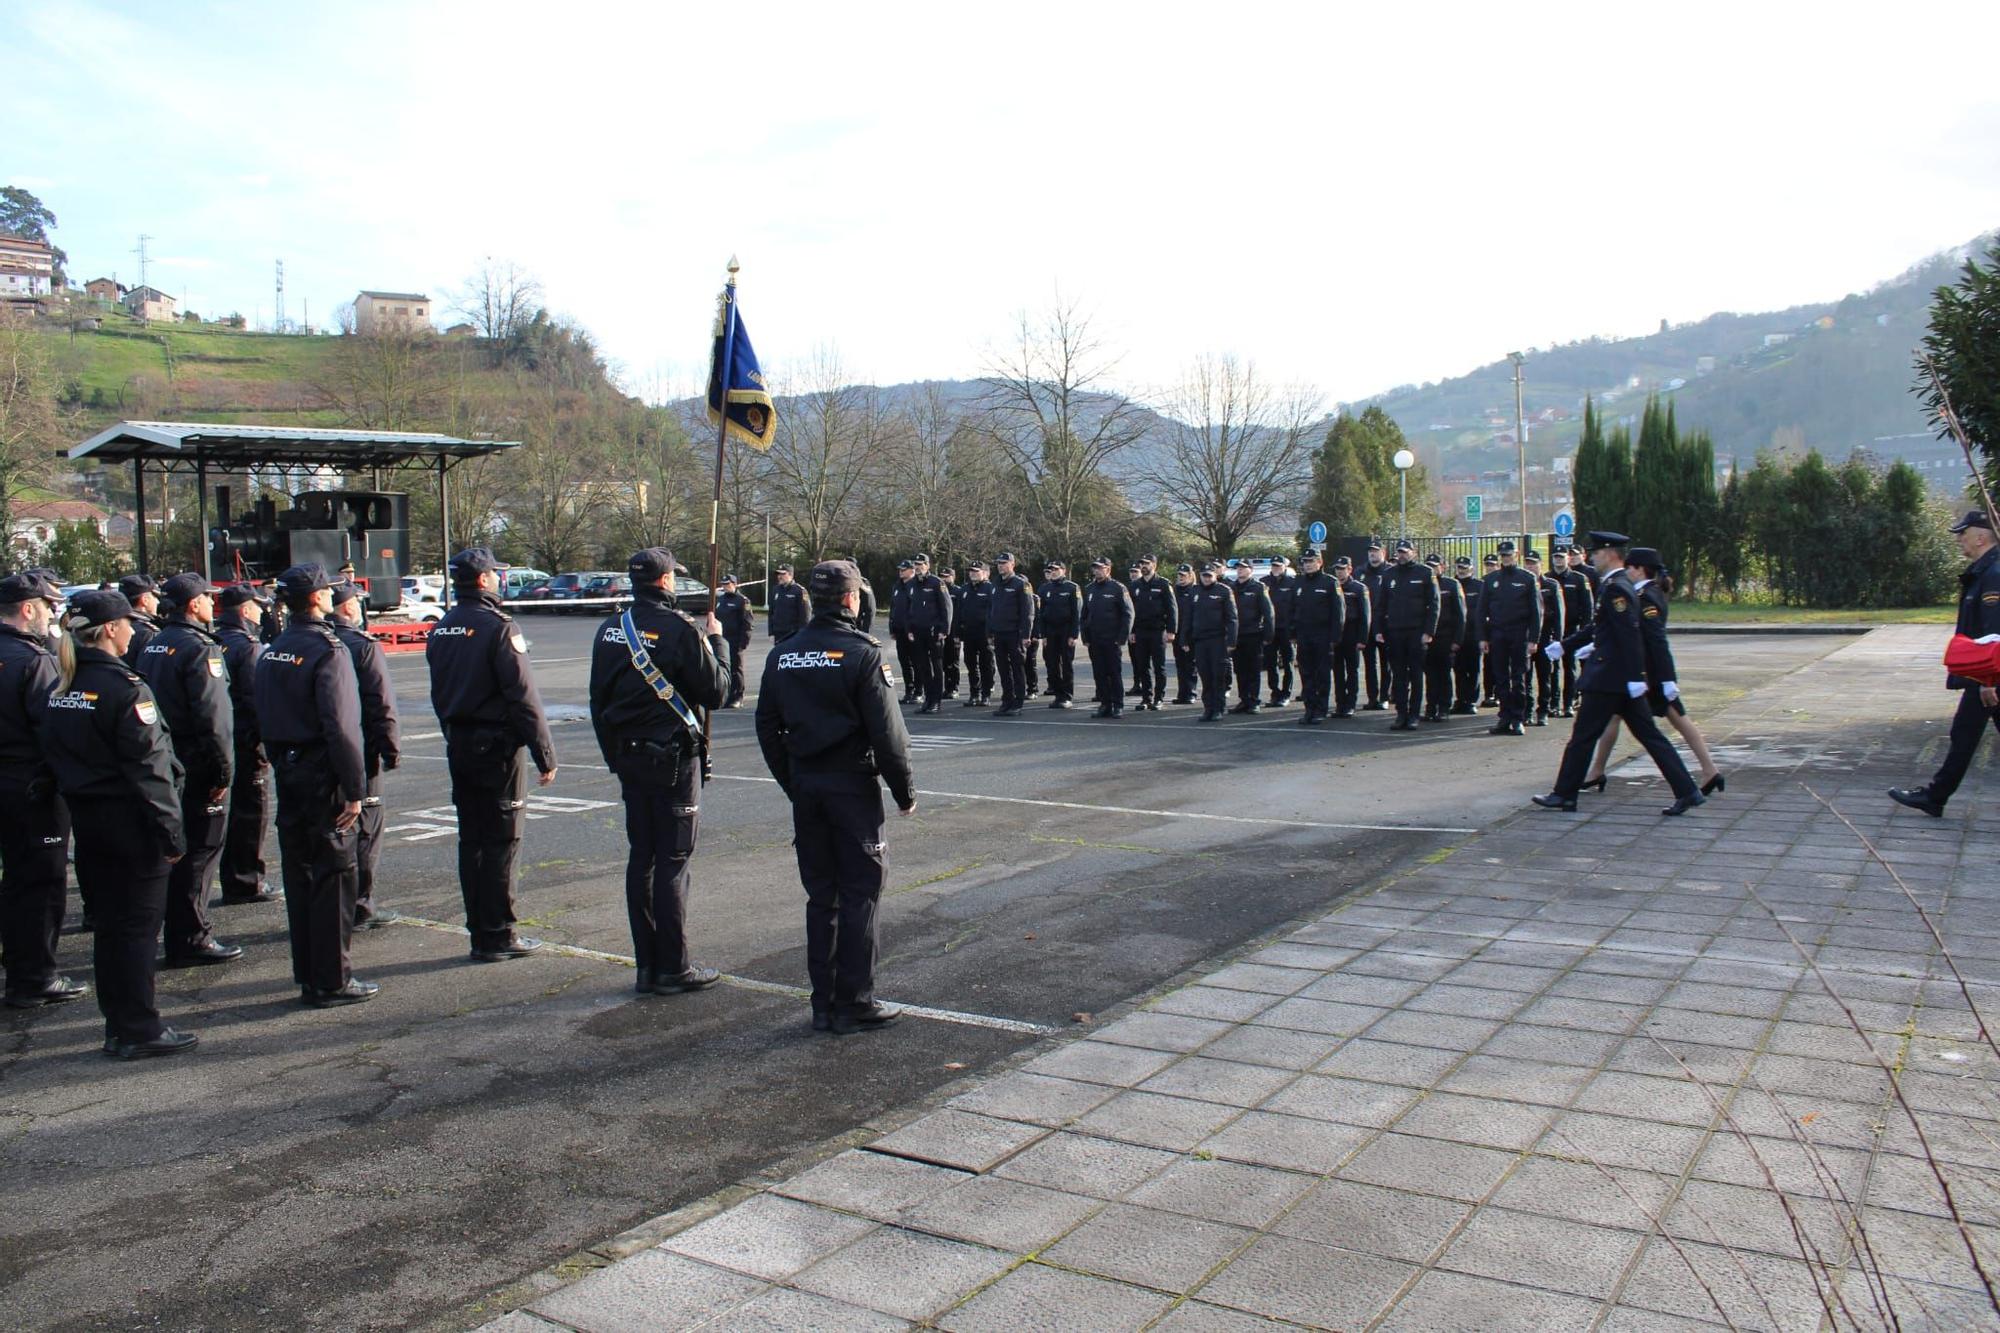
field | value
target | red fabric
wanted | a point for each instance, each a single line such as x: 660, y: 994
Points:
x: 1973, y: 659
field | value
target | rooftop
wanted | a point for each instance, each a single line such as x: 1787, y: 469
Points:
x: 233, y: 445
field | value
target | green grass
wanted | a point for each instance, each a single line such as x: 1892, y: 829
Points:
x: 126, y: 368
x: 1755, y: 613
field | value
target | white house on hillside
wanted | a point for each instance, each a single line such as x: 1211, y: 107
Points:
x: 379, y: 312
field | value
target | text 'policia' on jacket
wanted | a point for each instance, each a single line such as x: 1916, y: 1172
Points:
x: 308, y: 698
x: 89, y: 733
x: 477, y: 661
x: 623, y: 707
x: 184, y: 667
x: 826, y: 701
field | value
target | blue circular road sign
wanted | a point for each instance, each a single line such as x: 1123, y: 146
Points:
x: 1565, y: 524
x: 1316, y: 533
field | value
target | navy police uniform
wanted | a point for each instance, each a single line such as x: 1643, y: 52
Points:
x: 1011, y: 621
x: 1511, y: 616
x: 1355, y: 635
x: 1374, y: 576
x: 974, y: 620
x: 1445, y: 645
x: 1156, y: 617
x: 929, y: 630
x: 1279, y: 651
x: 899, y: 629
x: 1106, y: 623
x: 1978, y: 617
x: 1578, y: 593
x: 1057, y: 624
x: 144, y: 625
x: 738, y: 619
x: 786, y: 610
x: 1254, y: 618
x: 1548, y: 676
x: 1185, y: 678
x: 34, y: 822
x: 1211, y: 629
x: 242, y: 862
x: 381, y: 751
x: 1406, y: 615
x: 1466, y: 666
x: 1317, y: 616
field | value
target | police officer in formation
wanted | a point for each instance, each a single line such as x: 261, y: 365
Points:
x: 144, y: 595
x: 1578, y: 594
x: 484, y: 695
x: 1465, y: 666
x: 1279, y: 652
x: 309, y: 714
x: 1011, y: 621
x: 1210, y: 625
x: 1056, y: 626
x: 1254, y: 617
x: 1156, y: 621
x: 973, y: 621
x: 1548, y: 682
x: 1374, y: 576
x: 866, y: 619
x: 950, y: 646
x: 381, y: 747
x: 1441, y: 656
x: 643, y: 697
x: 1978, y: 617
x: 738, y: 619
x: 1511, y: 611
x: 786, y: 611
x: 1317, y: 614
x: 929, y: 626
x: 1490, y: 681
x: 1106, y: 622
x: 1357, y: 617
x: 899, y: 630
x: 239, y: 621
x: 1406, y: 618
x: 831, y: 735
x: 1185, y: 679
x: 115, y: 768
x: 34, y: 822
x: 184, y: 667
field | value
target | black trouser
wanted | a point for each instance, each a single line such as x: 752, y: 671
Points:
x: 1185, y: 680
x: 125, y: 869
x: 906, y: 662
x: 1316, y: 676
x: 948, y: 648
x: 249, y: 812
x: 1507, y: 651
x: 1107, y: 673
x: 1593, y: 714
x: 1008, y: 657
x: 1546, y: 680
x: 1278, y: 658
x: 1968, y: 725
x: 1490, y: 674
x: 206, y: 823
x: 1347, y: 675
x: 1059, y: 656
x: 1569, y: 679
x: 735, y: 695
x: 488, y: 789
x: 978, y: 665
x: 34, y: 884
x: 1149, y: 664
x: 1466, y: 667
x: 319, y: 860
x: 837, y: 831
x: 368, y: 849
x: 661, y: 784
x: 1029, y: 670
x: 927, y: 649
x: 1249, y: 661
x: 1406, y: 671
x: 1211, y: 663
x: 1437, y: 677
x: 1375, y: 657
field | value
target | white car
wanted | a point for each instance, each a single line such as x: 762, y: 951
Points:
x: 423, y: 587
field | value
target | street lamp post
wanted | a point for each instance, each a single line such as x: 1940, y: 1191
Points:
x: 1403, y: 460
x: 1521, y: 442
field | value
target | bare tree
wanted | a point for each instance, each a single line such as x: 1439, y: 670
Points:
x: 657, y: 475
x: 1051, y: 409
x: 1238, y: 450
x: 829, y: 444
x: 30, y: 428
x: 394, y: 380
x: 500, y: 299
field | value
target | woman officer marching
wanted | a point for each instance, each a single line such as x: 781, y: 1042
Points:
x: 115, y: 766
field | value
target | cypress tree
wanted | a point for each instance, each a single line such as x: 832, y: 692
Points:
x: 1617, y: 484
x: 1655, y: 502
x: 1587, y: 471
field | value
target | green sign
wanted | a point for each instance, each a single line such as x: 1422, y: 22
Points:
x: 1475, y: 508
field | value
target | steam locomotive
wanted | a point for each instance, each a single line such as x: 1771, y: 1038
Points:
x: 369, y: 528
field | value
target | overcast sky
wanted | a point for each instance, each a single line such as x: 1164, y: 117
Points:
x: 1349, y: 199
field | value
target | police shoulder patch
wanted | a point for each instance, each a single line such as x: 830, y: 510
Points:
x: 215, y: 665
x: 519, y: 641
x: 1619, y: 603
x: 1991, y: 597
x: 1651, y: 613
x: 886, y: 675
x: 148, y: 714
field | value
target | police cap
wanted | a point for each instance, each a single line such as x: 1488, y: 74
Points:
x: 1279, y: 562
x: 653, y: 564
x: 1053, y: 566
x: 1490, y: 560
x: 236, y: 594
x: 184, y: 588
x: 304, y: 580
x: 1599, y: 537
x: 1434, y: 560
x: 17, y: 588
x: 134, y: 584
x: 89, y: 609
x: 467, y: 565
x: 1210, y: 567
x: 1463, y: 562
x: 977, y: 564
x: 905, y: 564
x: 1646, y: 557
x: 345, y: 592
x: 920, y: 559
x: 1102, y: 562
x: 1185, y: 569
x: 1343, y: 562
x: 835, y: 577
x: 1374, y: 543
x: 1532, y: 554
x: 1504, y: 548
x: 1405, y: 546
x: 784, y: 569
x: 1312, y: 555
x: 1004, y: 558
x: 729, y: 579
x: 1974, y: 518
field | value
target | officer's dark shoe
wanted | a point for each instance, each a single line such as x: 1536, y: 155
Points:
x: 1499, y: 729
x: 1402, y: 724
x: 1540, y: 720
x: 1211, y: 716
x: 1062, y: 703
x: 378, y: 918
x: 1253, y: 707
x: 1514, y: 729
x: 169, y: 1042
x: 1489, y: 702
x: 1007, y: 712
x: 973, y: 702
x: 822, y: 1020
x: 679, y: 983
x: 1685, y: 804
x: 264, y: 894
x: 354, y: 992
x: 1345, y: 712
x: 930, y: 708
x: 518, y: 947
x: 862, y: 1018
x: 56, y: 992
x: 1376, y: 707
x: 203, y: 955
x: 1567, y: 712
x: 1918, y: 798
x: 1465, y: 710
x: 111, y: 1046
x: 1555, y: 802
x: 1117, y: 712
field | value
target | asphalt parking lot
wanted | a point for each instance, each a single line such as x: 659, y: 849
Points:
x: 387, y: 1165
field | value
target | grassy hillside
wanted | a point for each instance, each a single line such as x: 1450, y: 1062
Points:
x: 128, y: 370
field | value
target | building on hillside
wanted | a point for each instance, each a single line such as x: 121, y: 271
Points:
x: 105, y: 289
x: 150, y: 303
x: 461, y: 331
x: 381, y: 312
x: 1704, y: 365
x: 34, y: 522
x: 27, y: 268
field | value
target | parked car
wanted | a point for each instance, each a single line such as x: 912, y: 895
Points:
x: 517, y: 579
x: 618, y: 586
x: 423, y: 587
x: 691, y: 595
x: 566, y: 587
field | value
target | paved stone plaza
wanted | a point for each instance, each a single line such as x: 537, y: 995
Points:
x: 1526, y: 1084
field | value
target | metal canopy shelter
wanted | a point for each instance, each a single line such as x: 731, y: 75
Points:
x: 193, y: 446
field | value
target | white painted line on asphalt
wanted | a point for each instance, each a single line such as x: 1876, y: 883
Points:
x: 1164, y: 814
x: 767, y: 987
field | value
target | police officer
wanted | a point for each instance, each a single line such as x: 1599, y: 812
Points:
x: 1012, y: 622
x: 1211, y: 627
x: 1253, y: 627
x: 974, y: 622
x: 1614, y: 686
x: 950, y: 646
x: 1511, y: 619
x: 738, y: 619
x: 866, y: 619
x: 381, y: 747
x: 1061, y: 616
x: 1445, y: 645
x: 827, y: 729
x: 34, y: 823
x: 643, y: 712
x: 1579, y: 562
x: 1317, y: 614
x: 144, y: 595
x: 899, y: 630
x: 1577, y: 596
x: 1489, y: 690
x: 1467, y: 661
x: 239, y: 621
x: 1185, y: 679
x: 1405, y: 623
x: 1978, y: 616
x: 1279, y: 654
x: 1375, y: 652
x: 1106, y: 622
x: 116, y: 770
x: 930, y: 630
x: 309, y: 713
x: 1357, y: 616
x: 484, y: 694
x: 1547, y: 678
x: 1156, y: 619
x: 786, y: 611
x: 184, y: 667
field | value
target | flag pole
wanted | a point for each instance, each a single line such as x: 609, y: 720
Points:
x: 725, y: 367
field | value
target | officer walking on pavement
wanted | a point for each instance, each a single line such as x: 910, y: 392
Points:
x: 1406, y: 621
x: 831, y: 735
x: 1375, y: 652
x: 930, y: 627
x: 1466, y: 665
x: 737, y: 618
x: 651, y: 668
x: 1211, y: 627
x: 1356, y: 633
x: 1278, y: 647
x: 184, y: 667
x: 1107, y: 629
x: 144, y: 595
x: 1156, y: 619
x: 786, y: 610
x: 1511, y: 610
x: 309, y: 712
x: 1317, y: 615
x: 34, y: 822
x: 239, y: 619
x: 1185, y: 679
x: 381, y: 747
x: 974, y: 620
x: 1061, y: 616
x: 1978, y: 617
x: 1012, y: 623
x: 484, y: 694
x: 1253, y: 627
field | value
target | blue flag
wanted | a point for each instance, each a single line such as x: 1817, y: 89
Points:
x: 736, y: 391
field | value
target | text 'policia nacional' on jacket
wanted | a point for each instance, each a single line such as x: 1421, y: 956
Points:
x: 104, y: 740
x: 623, y: 707
x: 827, y: 705
x: 1409, y: 600
x: 1211, y: 614
x: 184, y: 667
x: 479, y: 675
x: 1107, y: 612
x: 1318, y: 611
x: 309, y: 700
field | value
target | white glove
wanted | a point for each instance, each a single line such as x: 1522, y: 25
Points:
x: 1584, y: 652
x: 1670, y: 689
x: 1636, y: 688
x: 1552, y: 650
